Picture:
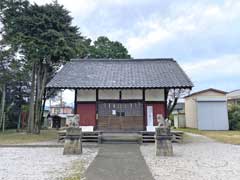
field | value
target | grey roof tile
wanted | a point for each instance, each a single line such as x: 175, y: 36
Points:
x: 104, y: 73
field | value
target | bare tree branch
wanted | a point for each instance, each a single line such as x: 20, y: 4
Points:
x: 173, y: 97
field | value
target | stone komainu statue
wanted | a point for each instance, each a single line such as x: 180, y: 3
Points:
x: 162, y: 122
x: 163, y: 144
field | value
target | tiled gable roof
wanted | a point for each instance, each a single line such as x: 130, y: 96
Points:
x: 119, y: 73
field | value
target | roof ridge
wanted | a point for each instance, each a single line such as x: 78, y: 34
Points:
x: 234, y: 90
x: 137, y: 59
x: 205, y: 90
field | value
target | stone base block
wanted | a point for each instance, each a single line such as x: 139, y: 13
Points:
x: 72, y: 147
x: 163, y: 148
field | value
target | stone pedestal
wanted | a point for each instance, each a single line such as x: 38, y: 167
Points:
x: 73, y: 142
x: 163, y: 142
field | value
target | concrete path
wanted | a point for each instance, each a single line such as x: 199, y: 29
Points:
x: 118, y: 162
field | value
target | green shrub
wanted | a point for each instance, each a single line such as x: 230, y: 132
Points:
x: 234, y: 117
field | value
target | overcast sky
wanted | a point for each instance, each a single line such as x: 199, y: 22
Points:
x: 202, y: 35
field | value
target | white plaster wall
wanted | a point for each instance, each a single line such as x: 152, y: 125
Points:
x: 179, y: 120
x: 175, y: 120
x: 182, y: 121
x: 150, y: 94
x: 86, y: 95
x: 132, y: 94
x: 154, y: 95
x: 191, y: 112
x: 108, y: 94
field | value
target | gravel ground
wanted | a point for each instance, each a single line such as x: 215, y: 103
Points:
x: 40, y: 163
x: 199, y: 158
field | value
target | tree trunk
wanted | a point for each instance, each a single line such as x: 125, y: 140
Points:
x: 3, y: 119
x: 40, y: 86
x: 43, y: 104
x: 36, y: 99
x: 42, y: 98
x: 2, y: 115
x: 38, y: 79
x: 31, y: 103
x: 171, y: 106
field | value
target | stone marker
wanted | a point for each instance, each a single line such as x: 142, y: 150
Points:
x: 163, y: 139
x: 73, y: 142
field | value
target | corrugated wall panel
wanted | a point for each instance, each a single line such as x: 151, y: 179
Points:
x: 212, y: 115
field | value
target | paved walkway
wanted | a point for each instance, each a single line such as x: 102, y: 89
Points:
x: 118, y: 162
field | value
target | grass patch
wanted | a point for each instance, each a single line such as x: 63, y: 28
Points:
x: 13, y: 137
x: 230, y: 137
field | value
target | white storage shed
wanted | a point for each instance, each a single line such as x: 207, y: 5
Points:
x: 207, y: 110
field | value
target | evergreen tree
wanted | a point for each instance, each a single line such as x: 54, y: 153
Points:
x: 104, y: 48
x: 45, y: 36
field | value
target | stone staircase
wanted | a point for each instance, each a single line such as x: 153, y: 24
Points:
x: 148, y: 137
x: 122, y: 137
x: 90, y: 136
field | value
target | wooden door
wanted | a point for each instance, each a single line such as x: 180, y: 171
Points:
x: 87, y: 113
x: 120, y: 116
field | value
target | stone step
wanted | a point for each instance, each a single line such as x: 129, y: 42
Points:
x: 89, y: 140
x: 120, y: 137
x: 89, y: 137
x: 148, y: 140
x: 119, y: 142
